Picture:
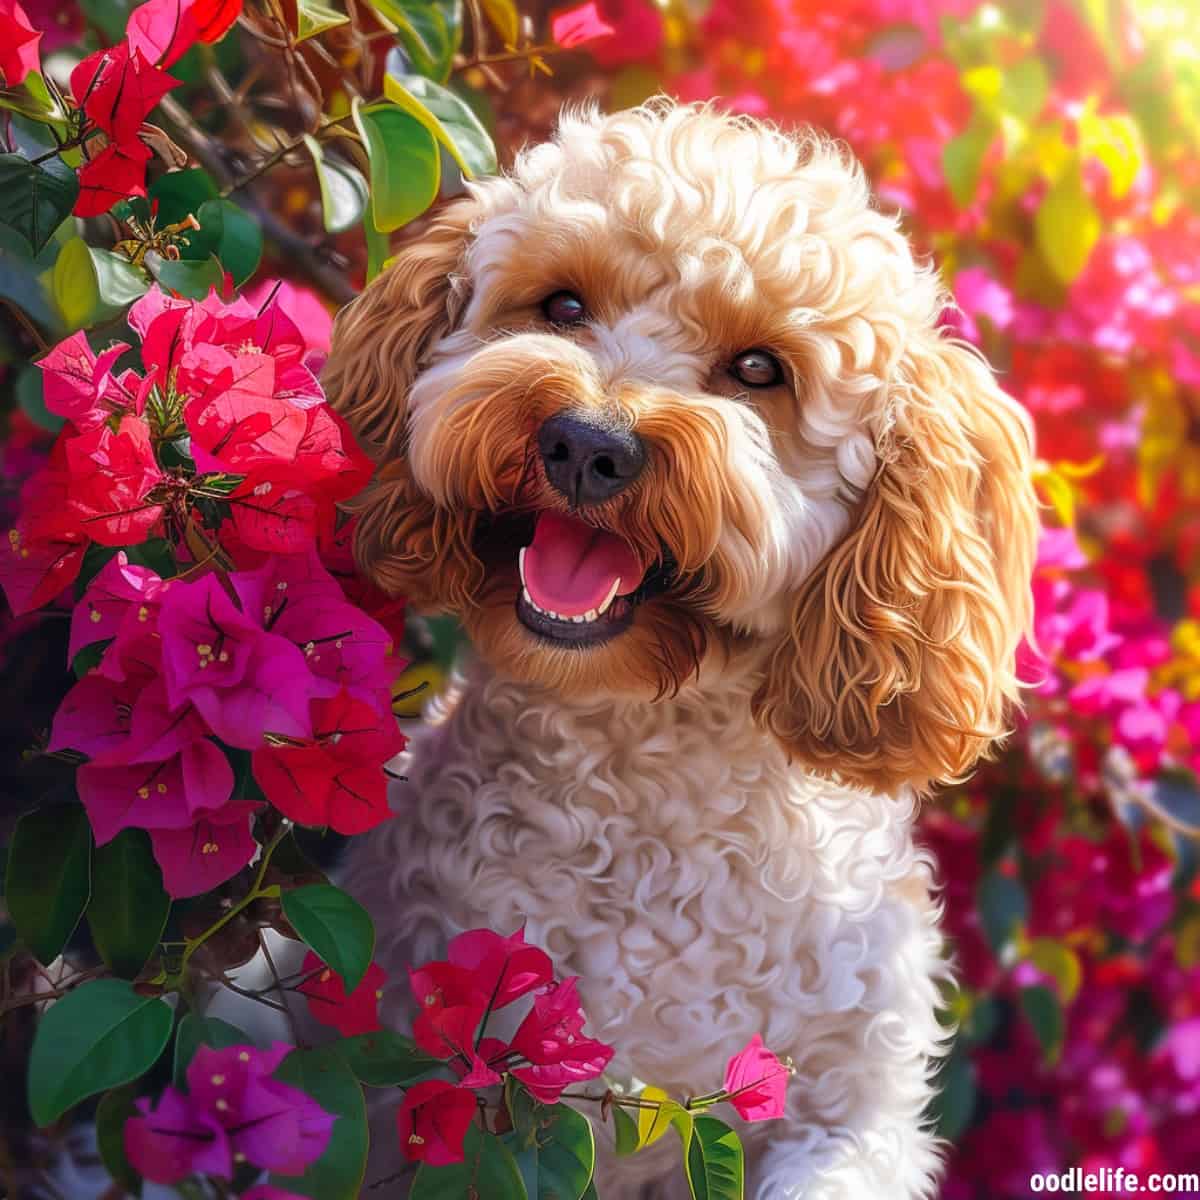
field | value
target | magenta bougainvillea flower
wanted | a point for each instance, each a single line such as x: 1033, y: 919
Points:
x: 328, y: 1002
x: 432, y: 1121
x: 756, y: 1082
x: 78, y: 384
x: 233, y: 1112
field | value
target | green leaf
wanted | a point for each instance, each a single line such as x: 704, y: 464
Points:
x: 385, y: 1059
x: 338, y: 1173
x: 653, y: 1123
x: 193, y: 279
x: 1040, y: 1005
x: 405, y: 165
x: 1024, y: 88
x: 115, y: 1108
x: 231, y: 235
x: 193, y: 1032
x: 626, y: 1132
x: 99, y: 1036
x: 962, y: 160
x: 35, y: 198
x: 1067, y: 225
x: 1002, y: 907
x: 448, y: 118
x: 431, y: 32
x: 313, y: 17
x: 49, y: 877
x: 109, y: 16
x: 1061, y: 963
x: 343, y: 190
x: 714, y: 1161
x: 89, y: 657
x: 91, y: 286
x: 560, y: 1138
x: 30, y: 399
x: 26, y: 281
x: 180, y: 193
x: 128, y: 909
x: 378, y: 246
x: 487, y: 1171
x: 954, y: 1104
x: 336, y: 927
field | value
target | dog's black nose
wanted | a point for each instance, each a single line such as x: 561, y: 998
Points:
x: 589, y: 462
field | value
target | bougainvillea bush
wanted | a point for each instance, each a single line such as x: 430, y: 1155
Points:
x: 201, y: 691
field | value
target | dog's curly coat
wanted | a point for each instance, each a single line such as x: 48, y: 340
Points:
x: 709, y: 816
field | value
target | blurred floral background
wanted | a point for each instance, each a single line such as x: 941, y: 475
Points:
x: 1047, y: 154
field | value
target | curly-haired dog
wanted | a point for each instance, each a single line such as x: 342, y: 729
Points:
x: 744, y: 544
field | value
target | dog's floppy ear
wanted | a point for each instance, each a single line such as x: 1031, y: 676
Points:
x: 898, y: 666
x: 381, y: 337
x: 403, y: 542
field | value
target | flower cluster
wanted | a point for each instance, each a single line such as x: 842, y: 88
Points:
x: 232, y: 1113
x: 221, y: 464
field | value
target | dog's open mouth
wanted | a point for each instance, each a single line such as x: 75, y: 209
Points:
x: 579, y: 584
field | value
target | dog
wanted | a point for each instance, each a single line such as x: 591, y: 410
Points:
x: 743, y: 542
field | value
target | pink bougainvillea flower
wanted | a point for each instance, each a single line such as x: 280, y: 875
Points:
x: 350, y: 1014
x: 575, y: 26
x: 637, y: 33
x: 164, y: 30
x: 170, y: 794
x: 45, y: 547
x: 112, y: 474
x: 117, y: 88
x: 244, y: 680
x: 336, y: 548
x: 757, y: 1082
x: 96, y: 714
x: 203, y: 856
x: 551, y: 1038
x: 265, y: 1191
x: 304, y: 308
x: 122, y: 599
x: 234, y: 1111
x: 502, y: 969
x: 432, y: 1121
x: 78, y: 384
x: 61, y: 24
x: 18, y: 44
x: 335, y: 777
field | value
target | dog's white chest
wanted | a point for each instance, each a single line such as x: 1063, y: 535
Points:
x: 667, y: 854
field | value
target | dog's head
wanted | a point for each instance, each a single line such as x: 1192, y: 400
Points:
x: 674, y: 390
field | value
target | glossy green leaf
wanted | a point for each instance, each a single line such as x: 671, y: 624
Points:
x: 1003, y: 905
x: 231, y: 235
x: 193, y: 1032
x: 715, y: 1161
x: 114, y: 1109
x: 338, y: 1173
x: 344, y: 192
x: 653, y: 1123
x: 91, y: 286
x: 954, y: 1104
x: 193, y: 279
x: 49, y: 877
x: 487, y: 1170
x: 128, y: 909
x: 962, y: 161
x: 31, y: 400
x: 180, y: 193
x: 625, y: 1131
x: 99, y: 1036
x: 1067, y: 225
x: 562, y: 1143
x: 405, y: 164
x: 431, y: 32
x: 35, y: 198
x: 1045, y: 1014
x: 385, y: 1059
x: 335, y: 926
x: 504, y: 18
x: 448, y: 118
x: 379, y: 247
x: 313, y: 17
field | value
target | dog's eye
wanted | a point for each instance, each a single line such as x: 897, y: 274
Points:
x: 756, y: 369
x: 564, y: 308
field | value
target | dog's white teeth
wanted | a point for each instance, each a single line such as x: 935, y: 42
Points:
x: 521, y: 568
x: 612, y: 595
x: 579, y: 620
x: 590, y: 615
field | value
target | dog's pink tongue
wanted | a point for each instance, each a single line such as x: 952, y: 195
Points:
x: 570, y: 567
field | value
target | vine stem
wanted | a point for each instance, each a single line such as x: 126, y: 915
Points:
x: 256, y: 892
